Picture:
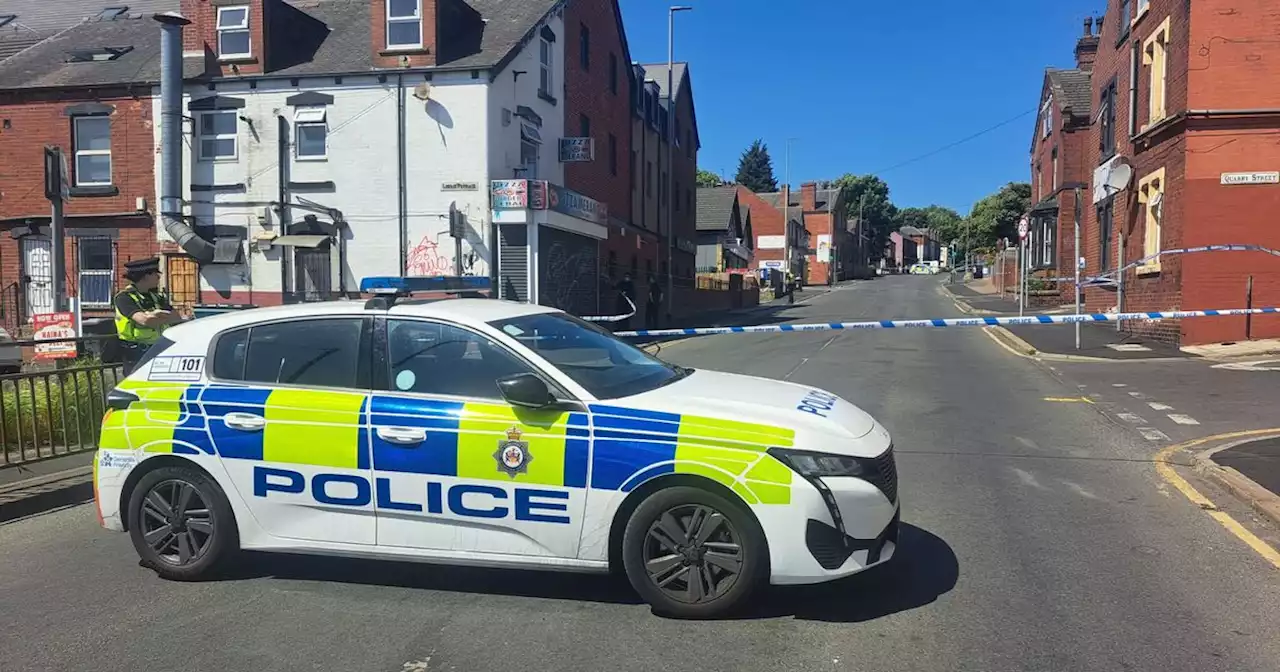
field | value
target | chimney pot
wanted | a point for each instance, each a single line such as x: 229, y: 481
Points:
x: 1088, y: 26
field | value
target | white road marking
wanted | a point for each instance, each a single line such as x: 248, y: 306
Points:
x: 1028, y: 478
x: 1157, y: 406
x: 1079, y: 490
x: 1137, y: 395
x: 1118, y: 385
x: 1128, y: 347
x: 1027, y: 442
x: 797, y: 368
x: 824, y: 345
x: 1183, y: 419
x: 1152, y: 434
x: 1129, y: 417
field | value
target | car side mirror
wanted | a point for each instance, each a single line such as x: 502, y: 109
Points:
x: 526, y: 390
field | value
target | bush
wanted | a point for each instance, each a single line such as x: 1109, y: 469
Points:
x: 59, y: 410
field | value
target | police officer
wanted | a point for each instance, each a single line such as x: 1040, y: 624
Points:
x: 142, y: 311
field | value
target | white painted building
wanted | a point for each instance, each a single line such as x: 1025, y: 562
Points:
x: 295, y: 173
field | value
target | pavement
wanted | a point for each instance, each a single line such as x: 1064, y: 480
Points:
x: 1259, y: 460
x: 1038, y: 535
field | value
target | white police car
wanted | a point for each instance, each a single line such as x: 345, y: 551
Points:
x: 484, y: 432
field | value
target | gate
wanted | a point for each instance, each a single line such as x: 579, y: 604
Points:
x: 312, y: 273
x: 37, y: 271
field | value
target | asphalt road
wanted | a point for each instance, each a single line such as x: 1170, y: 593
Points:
x: 1038, y: 537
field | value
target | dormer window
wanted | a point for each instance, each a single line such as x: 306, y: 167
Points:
x: 233, y: 32
x: 404, y: 24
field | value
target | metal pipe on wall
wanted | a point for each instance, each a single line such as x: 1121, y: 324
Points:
x: 171, y: 118
x: 402, y: 175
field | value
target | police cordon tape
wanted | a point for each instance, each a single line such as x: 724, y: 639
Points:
x: 950, y: 322
x: 612, y: 318
x: 1108, y: 278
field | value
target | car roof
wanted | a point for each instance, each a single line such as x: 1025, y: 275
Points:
x: 463, y: 311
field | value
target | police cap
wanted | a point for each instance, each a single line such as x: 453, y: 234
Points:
x: 141, y: 267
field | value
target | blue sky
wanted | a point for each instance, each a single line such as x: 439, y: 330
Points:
x: 866, y: 85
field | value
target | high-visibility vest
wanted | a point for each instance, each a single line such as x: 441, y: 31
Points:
x: 129, y: 331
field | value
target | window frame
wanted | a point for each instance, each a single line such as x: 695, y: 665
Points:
x: 1152, y: 223
x: 1054, y: 156
x: 584, y: 47
x: 77, y: 152
x: 546, y: 66
x: 1155, y: 55
x: 364, y: 353
x: 1046, y: 117
x: 380, y: 380
x: 302, y: 119
x: 415, y: 18
x: 1107, y: 122
x: 1107, y: 205
x: 243, y: 27
x: 201, y: 137
x: 109, y: 273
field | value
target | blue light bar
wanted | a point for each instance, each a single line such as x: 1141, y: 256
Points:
x: 403, y: 286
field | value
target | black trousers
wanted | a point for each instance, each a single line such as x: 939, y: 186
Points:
x: 130, y: 353
x: 651, y: 315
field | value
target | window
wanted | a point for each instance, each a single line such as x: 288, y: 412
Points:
x: 218, y: 135
x: 404, y: 24
x: 432, y: 358
x: 1046, y: 117
x: 311, y: 133
x: 315, y: 353
x: 1155, y: 52
x: 1135, y: 64
x: 97, y: 270
x: 1107, y: 121
x: 1055, y: 168
x: 1123, y: 23
x: 584, y: 126
x: 584, y: 46
x: 546, y: 60
x: 109, y: 13
x: 1039, y: 182
x: 1105, y: 212
x: 233, y: 32
x: 92, y: 142
x: 529, y: 158
x: 613, y: 155
x: 1143, y: 6
x: 1046, y: 241
x: 1151, y: 199
x: 613, y: 74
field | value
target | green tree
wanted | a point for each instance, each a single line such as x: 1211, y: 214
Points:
x: 755, y: 169
x: 707, y: 178
x: 997, y: 215
x: 877, y: 213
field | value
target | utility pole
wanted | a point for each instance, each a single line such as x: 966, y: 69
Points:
x: 1078, y: 259
x: 671, y: 146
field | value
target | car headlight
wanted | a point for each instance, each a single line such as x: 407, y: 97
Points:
x: 815, y: 465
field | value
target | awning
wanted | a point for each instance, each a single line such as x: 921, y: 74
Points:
x: 301, y: 240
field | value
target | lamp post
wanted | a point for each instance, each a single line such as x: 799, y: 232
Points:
x: 786, y: 207
x: 671, y: 145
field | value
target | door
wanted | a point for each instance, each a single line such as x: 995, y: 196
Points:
x: 37, y: 271
x: 312, y: 280
x: 456, y: 467
x: 183, y: 278
x: 291, y: 427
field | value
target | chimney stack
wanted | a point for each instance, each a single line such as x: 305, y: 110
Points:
x: 809, y: 196
x: 1087, y: 47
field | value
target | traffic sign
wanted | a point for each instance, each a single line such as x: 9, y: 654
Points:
x: 1023, y: 227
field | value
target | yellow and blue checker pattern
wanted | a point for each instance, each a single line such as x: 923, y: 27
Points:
x: 337, y: 429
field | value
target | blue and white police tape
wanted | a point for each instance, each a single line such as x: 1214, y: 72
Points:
x: 612, y: 318
x: 1108, y: 278
x: 952, y: 322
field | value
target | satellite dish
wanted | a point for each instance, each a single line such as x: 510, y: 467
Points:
x: 1118, y: 177
x: 422, y: 91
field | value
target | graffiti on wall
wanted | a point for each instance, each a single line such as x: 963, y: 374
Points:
x: 570, y: 278
x: 425, y: 259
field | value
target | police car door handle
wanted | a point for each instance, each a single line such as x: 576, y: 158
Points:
x: 245, y: 422
x: 405, y: 436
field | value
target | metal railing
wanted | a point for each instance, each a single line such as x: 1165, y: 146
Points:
x: 54, y: 412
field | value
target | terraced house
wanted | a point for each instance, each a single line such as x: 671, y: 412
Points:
x: 1192, y: 118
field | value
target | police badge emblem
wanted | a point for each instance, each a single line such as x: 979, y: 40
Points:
x: 513, y: 455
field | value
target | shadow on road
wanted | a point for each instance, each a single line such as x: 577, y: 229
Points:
x: 923, y: 568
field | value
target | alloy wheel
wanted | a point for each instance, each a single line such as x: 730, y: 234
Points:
x: 177, y: 522
x: 693, y: 554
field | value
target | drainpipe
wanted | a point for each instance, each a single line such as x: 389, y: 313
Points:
x: 282, y: 196
x: 171, y: 25
x: 401, y: 152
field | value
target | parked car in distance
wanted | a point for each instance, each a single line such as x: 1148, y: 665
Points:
x: 10, y: 354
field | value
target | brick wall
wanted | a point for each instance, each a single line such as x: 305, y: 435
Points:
x: 202, y: 36
x: 34, y: 120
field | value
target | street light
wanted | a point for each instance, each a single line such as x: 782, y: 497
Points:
x: 671, y: 145
x: 786, y: 207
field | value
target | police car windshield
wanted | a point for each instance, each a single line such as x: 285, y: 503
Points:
x: 605, y: 366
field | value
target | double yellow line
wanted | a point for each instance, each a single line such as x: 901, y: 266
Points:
x: 1164, y: 468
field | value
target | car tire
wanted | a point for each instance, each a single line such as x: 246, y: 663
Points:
x: 182, y: 543
x: 663, y: 568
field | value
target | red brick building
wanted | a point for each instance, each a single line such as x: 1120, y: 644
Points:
x: 832, y: 252
x: 1195, y: 117
x: 1060, y: 162
x: 87, y: 90
x: 776, y: 235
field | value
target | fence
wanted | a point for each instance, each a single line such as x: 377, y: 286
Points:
x: 54, y: 412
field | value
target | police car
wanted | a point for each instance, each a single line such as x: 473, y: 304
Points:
x: 484, y: 432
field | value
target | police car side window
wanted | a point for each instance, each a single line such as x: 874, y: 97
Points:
x: 433, y: 358
x: 312, y: 353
